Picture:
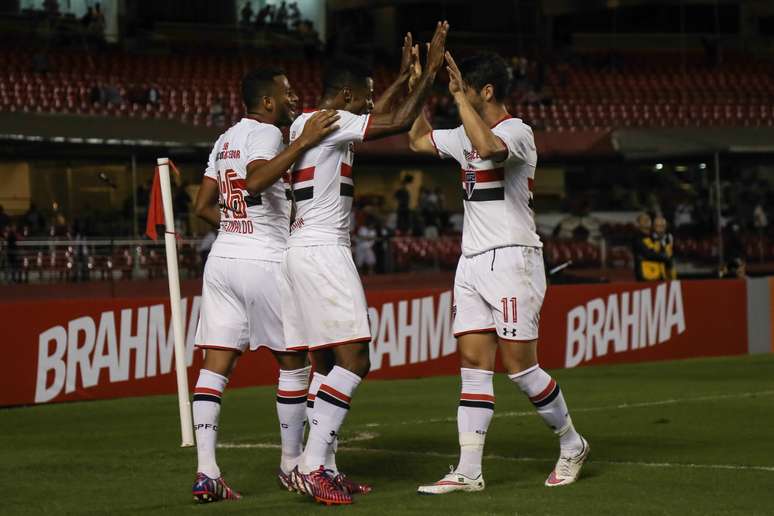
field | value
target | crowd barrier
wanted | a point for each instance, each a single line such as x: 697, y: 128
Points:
x: 85, y: 349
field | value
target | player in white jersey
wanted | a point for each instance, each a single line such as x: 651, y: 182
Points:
x: 240, y: 297
x: 323, y: 302
x: 500, y: 280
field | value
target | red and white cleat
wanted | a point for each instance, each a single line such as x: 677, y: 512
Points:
x: 285, y: 481
x: 349, y: 486
x: 453, y: 482
x: 320, y: 485
x: 568, y: 469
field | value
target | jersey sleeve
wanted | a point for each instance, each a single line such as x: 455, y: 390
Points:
x: 446, y: 142
x: 519, y: 141
x: 263, y: 143
x: 352, y: 128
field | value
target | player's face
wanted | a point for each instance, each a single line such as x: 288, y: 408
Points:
x: 362, y: 98
x: 660, y: 225
x: 286, y: 101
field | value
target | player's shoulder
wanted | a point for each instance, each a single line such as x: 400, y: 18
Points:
x: 298, y: 124
x: 514, y: 125
x: 256, y: 128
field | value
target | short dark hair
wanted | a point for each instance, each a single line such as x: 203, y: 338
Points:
x: 482, y: 69
x: 344, y: 71
x: 258, y: 83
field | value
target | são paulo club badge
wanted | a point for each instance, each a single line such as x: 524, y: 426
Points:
x: 470, y: 182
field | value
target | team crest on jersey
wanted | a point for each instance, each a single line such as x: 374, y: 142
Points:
x: 470, y: 182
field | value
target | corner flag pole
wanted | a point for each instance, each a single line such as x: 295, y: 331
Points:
x: 173, y: 275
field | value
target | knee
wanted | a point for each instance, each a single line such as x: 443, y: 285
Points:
x: 358, y: 363
x: 471, y: 360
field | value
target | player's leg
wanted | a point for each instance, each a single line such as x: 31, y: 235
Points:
x: 292, y: 388
x: 213, y: 377
x: 332, y: 401
x: 477, y: 345
x: 323, y: 361
x: 516, y: 309
x: 223, y: 334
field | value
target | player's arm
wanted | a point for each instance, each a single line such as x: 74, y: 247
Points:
x: 394, y: 92
x: 205, y: 205
x: 488, y: 145
x: 420, y: 139
x: 262, y: 173
x: 400, y: 120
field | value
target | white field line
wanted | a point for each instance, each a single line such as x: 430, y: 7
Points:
x: 454, y: 457
x: 364, y: 436
x: 644, y: 404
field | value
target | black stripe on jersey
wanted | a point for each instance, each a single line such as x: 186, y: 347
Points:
x: 347, y: 190
x: 288, y: 194
x: 485, y: 194
x: 253, y: 200
x: 304, y: 194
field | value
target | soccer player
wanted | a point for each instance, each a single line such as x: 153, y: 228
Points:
x: 500, y: 281
x: 323, y: 302
x: 240, y: 297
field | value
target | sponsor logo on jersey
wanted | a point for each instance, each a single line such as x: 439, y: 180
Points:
x: 627, y: 320
x: 471, y: 155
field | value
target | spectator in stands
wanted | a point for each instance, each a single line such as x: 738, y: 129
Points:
x: 51, y: 8
x: 365, y: 258
x: 181, y: 204
x: 649, y: 259
x: 217, y: 113
x: 666, y: 243
x: 12, y: 253
x: 264, y: 17
x: 403, y: 198
x: 281, y: 17
x: 579, y: 224
x: 295, y: 15
x: 88, y: 18
x: 152, y: 95
x: 33, y: 219
x: 5, y: 220
x: 734, y: 252
x: 97, y: 94
x: 247, y: 15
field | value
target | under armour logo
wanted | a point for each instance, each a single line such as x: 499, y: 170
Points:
x: 512, y: 331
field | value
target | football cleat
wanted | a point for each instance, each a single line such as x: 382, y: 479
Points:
x: 349, y: 486
x: 207, y: 489
x: 567, y: 469
x: 285, y: 481
x: 319, y: 485
x: 453, y: 482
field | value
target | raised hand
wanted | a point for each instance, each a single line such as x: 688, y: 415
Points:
x: 319, y: 125
x: 405, y: 58
x: 437, y: 47
x: 416, y: 68
x: 455, y: 76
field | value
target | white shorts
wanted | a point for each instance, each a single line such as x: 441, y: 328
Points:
x: 500, y: 290
x: 323, y: 302
x: 240, y: 305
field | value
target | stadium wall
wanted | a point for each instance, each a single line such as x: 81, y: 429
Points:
x: 79, y: 349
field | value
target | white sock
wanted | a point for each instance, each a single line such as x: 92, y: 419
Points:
x: 331, y: 406
x: 330, y: 456
x: 291, y: 412
x: 206, y: 413
x: 544, y: 393
x: 473, y: 417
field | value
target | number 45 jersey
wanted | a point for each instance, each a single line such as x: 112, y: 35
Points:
x: 251, y: 227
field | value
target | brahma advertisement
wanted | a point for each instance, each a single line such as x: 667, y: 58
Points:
x: 108, y: 348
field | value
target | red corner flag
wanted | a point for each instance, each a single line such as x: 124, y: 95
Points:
x: 155, y: 208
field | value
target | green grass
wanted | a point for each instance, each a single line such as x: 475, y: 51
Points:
x: 122, y: 457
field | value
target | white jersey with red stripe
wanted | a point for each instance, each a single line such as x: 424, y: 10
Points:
x: 497, y: 195
x: 251, y: 227
x: 322, y: 183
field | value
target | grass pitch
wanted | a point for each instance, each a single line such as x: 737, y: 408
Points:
x: 685, y: 437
